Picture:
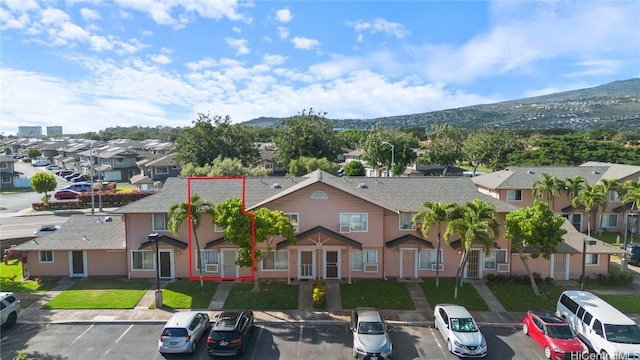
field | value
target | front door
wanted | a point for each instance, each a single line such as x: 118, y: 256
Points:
x: 166, y: 270
x: 560, y: 267
x: 332, y: 264
x: 307, y: 264
x: 229, y: 267
x: 408, y: 264
x: 77, y: 264
x: 473, y: 264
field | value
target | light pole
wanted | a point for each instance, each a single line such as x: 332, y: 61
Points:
x: 155, y: 238
x: 585, y: 242
x: 93, y: 202
x: 99, y: 180
x: 393, y: 155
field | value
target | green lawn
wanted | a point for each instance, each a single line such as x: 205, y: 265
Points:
x: 388, y: 295
x: 517, y: 297
x: 99, y: 293
x: 467, y: 295
x: 272, y: 296
x: 187, y: 294
x: 11, y: 279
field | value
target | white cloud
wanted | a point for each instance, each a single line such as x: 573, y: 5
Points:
x: 283, y: 32
x: 305, y: 43
x: 161, y: 59
x: 240, y: 45
x: 284, y: 15
x: 89, y: 14
x: 379, y: 25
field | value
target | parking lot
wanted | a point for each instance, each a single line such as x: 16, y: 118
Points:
x: 268, y: 341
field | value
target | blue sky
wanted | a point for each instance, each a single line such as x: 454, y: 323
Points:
x: 89, y: 65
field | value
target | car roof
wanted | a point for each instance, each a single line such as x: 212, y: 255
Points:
x: 455, y: 311
x: 5, y: 293
x: 368, y: 315
x: 227, y: 320
x: 547, y: 317
x: 180, y: 319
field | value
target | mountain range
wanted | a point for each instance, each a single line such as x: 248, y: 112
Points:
x: 614, y: 106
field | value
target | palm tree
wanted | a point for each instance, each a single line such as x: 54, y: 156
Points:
x: 589, y: 199
x: 608, y: 185
x: 476, y: 222
x: 572, y: 187
x: 631, y: 195
x: 549, y: 183
x: 192, y: 210
x: 434, y: 214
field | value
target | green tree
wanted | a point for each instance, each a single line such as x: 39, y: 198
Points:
x: 307, y: 134
x: 589, y: 199
x: 43, y: 182
x: 240, y: 225
x: 435, y: 214
x: 351, y: 138
x: 33, y: 153
x: 491, y: 147
x: 192, y: 211
x: 444, y: 147
x: 549, y: 184
x: 223, y: 167
x: 630, y: 197
x: 572, y: 187
x: 354, y: 168
x: 609, y: 187
x: 213, y: 137
x: 537, y: 229
x: 381, y: 147
x: 477, y: 222
x: 304, y: 165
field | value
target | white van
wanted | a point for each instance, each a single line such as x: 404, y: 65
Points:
x: 605, y: 329
x: 40, y: 162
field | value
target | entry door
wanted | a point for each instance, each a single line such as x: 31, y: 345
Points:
x: 408, y: 264
x: 77, y: 264
x: 473, y: 264
x: 166, y: 270
x: 229, y: 267
x: 560, y: 267
x: 332, y: 264
x: 307, y: 264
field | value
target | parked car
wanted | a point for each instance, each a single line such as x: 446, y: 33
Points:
x: 72, y: 175
x: 182, y: 332
x: 552, y: 334
x: 633, y: 254
x: 371, y: 338
x: 63, y: 172
x: 53, y: 167
x: 45, y: 229
x: 459, y: 330
x: 230, y: 333
x: 80, y: 178
x: 40, y: 162
x: 79, y: 186
x: 66, y: 194
x: 9, y: 309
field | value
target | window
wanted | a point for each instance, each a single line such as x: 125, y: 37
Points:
x: 495, y: 257
x: 208, y: 257
x: 428, y: 258
x: 353, y: 222
x: 119, y: 160
x: 360, y: 258
x: 614, y: 196
x: 142, y: 260
x: 162, y: 170
x: 276, y: 260
x: 46, y: 256
x: 406, y: 221
x: 610, y: 221
x: 514, y: 195
x: 6, y: 180
x: 293, y: 219
x: 319, y: 195
x: 591, y: 259
x: 4, y: 165
x: 160, y: 222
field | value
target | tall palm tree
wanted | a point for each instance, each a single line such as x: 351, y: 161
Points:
x: 434, y: 214
x: 193, y: 211
x: 549, y: 183
x: 608, y: 187
x: 572, y: 187
x: 476, y: 222
x: 631, y: 195
x: 589, y: 199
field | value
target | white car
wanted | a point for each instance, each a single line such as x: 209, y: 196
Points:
x: 459, y: 330
x: 10, y: 308
x: 45, y: 229
x: 371, y: 338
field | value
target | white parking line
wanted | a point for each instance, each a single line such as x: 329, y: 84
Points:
x: 116, y: 342
x: 253, y: 355
x: 77, y: 338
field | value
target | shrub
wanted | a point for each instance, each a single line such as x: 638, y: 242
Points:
x: 319, y: 295
x: 517, y: 279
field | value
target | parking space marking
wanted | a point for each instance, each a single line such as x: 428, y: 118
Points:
x: 116, y: 342
x: 77, y: 338
x: 253, y: 353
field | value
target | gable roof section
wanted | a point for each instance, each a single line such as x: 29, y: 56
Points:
x: 611, y: 170
x: 407, y: 238
x: 165, y: 239
x: 324, y: 231
x: 516, y: 177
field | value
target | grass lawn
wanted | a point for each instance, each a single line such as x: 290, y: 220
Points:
x: 388, y: 295
x: 101, y: 294
x: 467, y: 294
x: 272, y: 296
x: 625, y: 303
x: 14, y: 271
x: 187, y: 294
x: 517, y: 297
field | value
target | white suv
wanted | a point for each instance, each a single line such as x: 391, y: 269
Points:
x: 9, y: 308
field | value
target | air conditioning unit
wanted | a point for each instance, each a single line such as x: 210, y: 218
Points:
x: 371, y: 268
x: 434, y: 267
x: 345, y: 229
x: 503, y: 267
x: 212, y: 268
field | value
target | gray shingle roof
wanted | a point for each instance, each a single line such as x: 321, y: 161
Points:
x: 612, y: 171
x: 519, y: 178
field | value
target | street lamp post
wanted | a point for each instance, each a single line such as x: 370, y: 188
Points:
x: 155, y: 238
x: 99, y: 180
x: 585, y: 242
x: 93, y: 202
x: 393, y: 155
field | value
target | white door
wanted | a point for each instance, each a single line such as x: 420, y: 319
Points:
x: 472, y: 269
x: 229, y: 267
x: 560, y: 268
x: 306, y: 261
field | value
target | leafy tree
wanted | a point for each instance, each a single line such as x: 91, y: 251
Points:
x: 537, y: 229
x: 444, y: 146
x: 435, y: 214
x: 354, y: 168
x: 572, y: 187
x: 223, y: 167
x: 307, y: 134
x: 491, y: 147
x: 380, y: 146
x: 210, y: 138
x: 608, y: 186
x: 549, y: 184
x: 477, y: 221
x: 589, y: 199
x: 630, y: 197
x: 305, y: 165
x: 43, y: 182
x: 193, y: 212
x: 7, y: 150
x: 33, y: 153
x: 238, y: 228
x: 351, y: 138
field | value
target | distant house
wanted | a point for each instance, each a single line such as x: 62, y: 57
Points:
x: 7, y: 172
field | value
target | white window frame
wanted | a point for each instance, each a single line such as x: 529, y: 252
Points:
x: 43, y: 257
x: 512, y: 195
x: 294, y: 222
x: 431, y: 258
x: 204, y: 255
x: 119, y: 161
x: 491, y: 261
x: 357, y: 225
x: 280, y: 260
x: 614, y: 196
x: 589, y: 257
x: 160, y: 172
x: 606, y: 223
x: 403, y: 225
x: 7, y: 180
x: 153, y: 221
x: 362, y: 258
x: 147, y: 256
x: 4, y: 165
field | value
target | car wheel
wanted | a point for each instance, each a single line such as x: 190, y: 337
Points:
x: 547, y: 352
x: 604, y: 355
x: 525, y: 329
x: 449, y: 346
x: 192, y: 349
x: 11, y: 320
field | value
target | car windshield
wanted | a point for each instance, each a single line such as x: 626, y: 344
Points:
x: 463, y: 325
x: 372, y: 328
x: 560, y: 332
x: 626, y: 334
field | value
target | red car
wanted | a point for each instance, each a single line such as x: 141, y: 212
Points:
x: 66, y: 194
x: 555, y: 336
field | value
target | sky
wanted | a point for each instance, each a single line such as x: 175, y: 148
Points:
x: 89, y: 65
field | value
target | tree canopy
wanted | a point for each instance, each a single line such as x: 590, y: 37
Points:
x: 381, y: 147
x: 43, y: 182
x: 223, y: 167
x: 444, y: 146
x: 304, y: 165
